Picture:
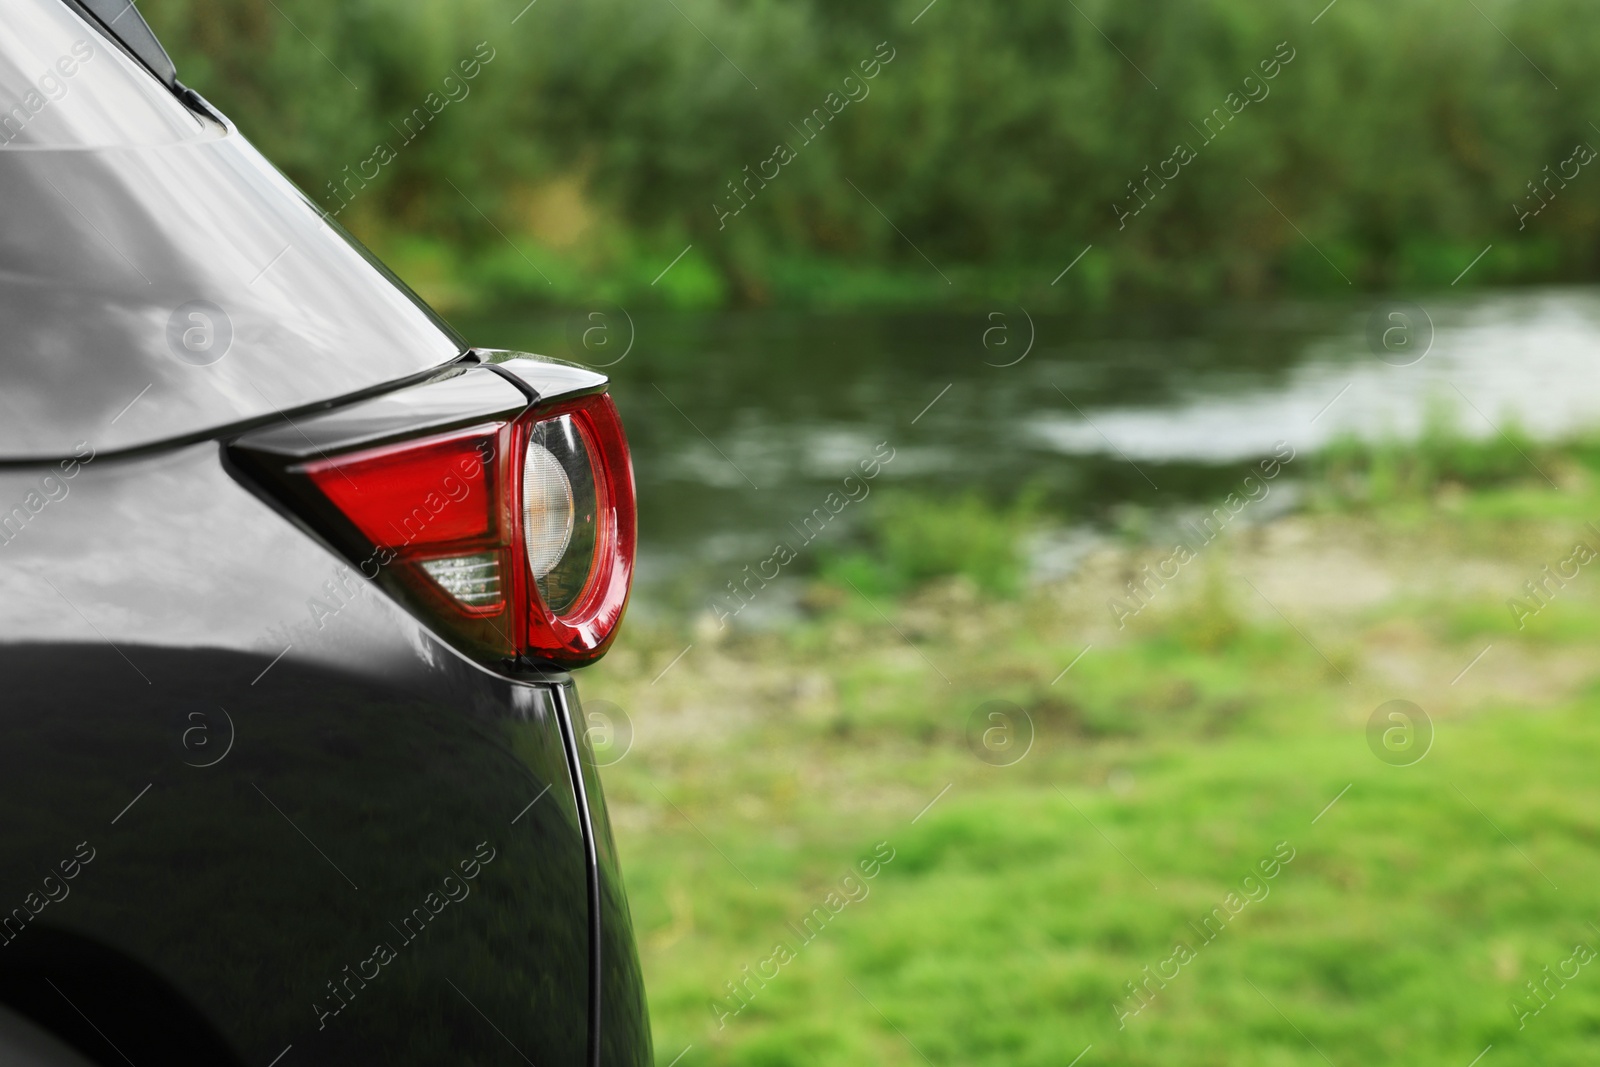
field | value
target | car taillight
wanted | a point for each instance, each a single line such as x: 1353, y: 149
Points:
x: 576, y: 527
x: 433, y: 514
x: 513, y: 536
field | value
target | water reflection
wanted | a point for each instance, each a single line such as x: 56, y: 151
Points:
x: 792, y: 402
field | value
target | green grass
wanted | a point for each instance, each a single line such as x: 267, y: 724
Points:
x: 1356, y: 473
x: 1172, y: 759
x: 912, y: 539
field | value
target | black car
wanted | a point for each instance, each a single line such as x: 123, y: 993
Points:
x: 291, y: 577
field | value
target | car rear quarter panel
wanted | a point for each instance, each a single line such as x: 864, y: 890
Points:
x: 238, y: 782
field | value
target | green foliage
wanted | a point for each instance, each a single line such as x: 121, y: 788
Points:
x: 1353, y: 472
x: 1174, y: 758
x: 917, y: 538
x: 1000, y: 139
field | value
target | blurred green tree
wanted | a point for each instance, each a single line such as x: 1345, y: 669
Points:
x: 1001, y: 140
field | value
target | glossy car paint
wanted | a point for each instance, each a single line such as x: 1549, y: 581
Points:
x: 252, y: 807
x: 106, y: 242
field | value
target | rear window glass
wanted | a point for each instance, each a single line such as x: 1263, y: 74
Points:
x: 63, y: 84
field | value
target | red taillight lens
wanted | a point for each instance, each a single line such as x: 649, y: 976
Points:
x: 576, y: 513
x: 436, y: 491
x: 515, y: 538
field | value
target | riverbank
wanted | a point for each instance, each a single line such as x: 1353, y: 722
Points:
x: 1039, y: 890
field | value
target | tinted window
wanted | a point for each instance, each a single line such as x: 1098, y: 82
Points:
x: 64, y: 84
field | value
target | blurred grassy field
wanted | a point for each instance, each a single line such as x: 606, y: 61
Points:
x: 1226, y: 722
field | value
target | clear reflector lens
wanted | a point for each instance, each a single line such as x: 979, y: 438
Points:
x: 546, y: 509
x: 473, y: 580
x: 559, y: 510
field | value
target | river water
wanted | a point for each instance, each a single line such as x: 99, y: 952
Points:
x: 742, y: 423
